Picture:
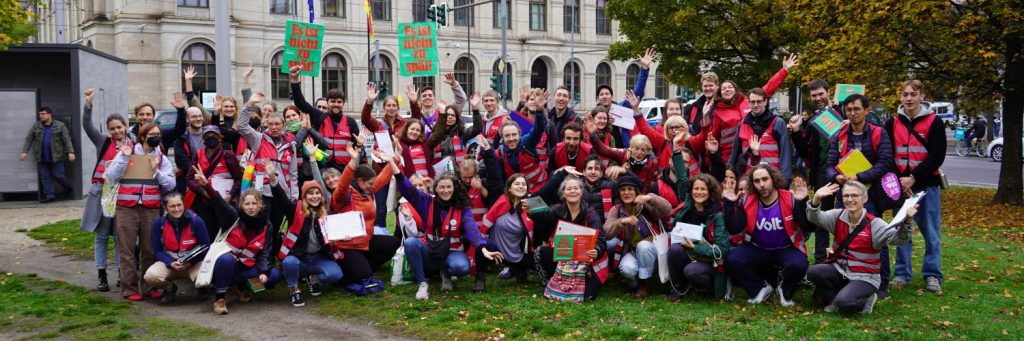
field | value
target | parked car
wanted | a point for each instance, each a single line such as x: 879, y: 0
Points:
x: 653, y: 110
x: 995, y: 149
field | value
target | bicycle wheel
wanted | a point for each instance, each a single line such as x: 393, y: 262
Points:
x: 979, y: 150
x: 961, y: 148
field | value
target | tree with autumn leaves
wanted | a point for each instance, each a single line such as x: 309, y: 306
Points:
x: 15, y: 24
x: 967, y: 51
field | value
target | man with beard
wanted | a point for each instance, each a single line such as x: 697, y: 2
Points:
x: 572, y: 151
x: 185, y: 147
x: 335, y: 127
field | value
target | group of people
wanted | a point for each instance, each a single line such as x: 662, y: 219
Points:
x: 263, y: 180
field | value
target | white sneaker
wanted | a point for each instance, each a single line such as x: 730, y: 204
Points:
x: 869, y: 306
x: 446, y: 282
x: 830, y: 308
x: 764, y: 294
x: 782, y: 298
x: 422, y: 293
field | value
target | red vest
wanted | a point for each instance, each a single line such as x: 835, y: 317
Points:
x: 769, y: 146
x: 492, y: 130
x: 204, y: 164
x: 751, y: 205
x: 460, y: 151
x: 419, y: 159
x: 562, y: 155
x: 909, y: 151
x: 284, y: 155
x: 861, y: 255
x: 337, y: 139
x: 245, y: 250
x: 476, y: 204
x: 668, y: 191
x: 108, y: 155
x: 843, y: 138
x: 606, y: 199
x: 451, y: 231
x: 177, y: 248
x: 293, y: 235
x: 134, y: 192
x: 534, y: 171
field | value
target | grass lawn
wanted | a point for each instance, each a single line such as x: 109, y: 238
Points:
x: 983, y: 299
x: 33, y: 308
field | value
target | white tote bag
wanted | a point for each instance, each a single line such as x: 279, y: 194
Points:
x: 217, y: 248
x: 661, y: 242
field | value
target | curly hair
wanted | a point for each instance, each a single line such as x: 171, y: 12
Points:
x: 778, y: 181
x: 714, y: 187
x: 459, y: 198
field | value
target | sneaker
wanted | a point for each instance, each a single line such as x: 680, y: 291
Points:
x: 446, y: 282
x: 762, y: 295
x: 869, y: 306
x: 479, y: 285
x: 134, y: 297
x: 103, y: 286
x: 675, y: 295
x: 297, y: 300
x: 883, y: 294
x: 169, y: 294
x: 830, y: 308
x: 421, y: 293
x: 220, y: 307
x: 899, y: 282
x: 782, y: 298
x: 155, y: 294
x: 806, y: 283
x: 505, y: 273
x: 933, y: 285
x: 314, y: 285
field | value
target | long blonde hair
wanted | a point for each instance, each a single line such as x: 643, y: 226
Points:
x: 307, y: 210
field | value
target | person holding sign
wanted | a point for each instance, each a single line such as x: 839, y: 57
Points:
x: 509, y: 231
x: 699, y: 263
x: 769, y: 219
x: 446, y: 224
x: 635, y: 220
x: 849, y: 279
x: 219, y: 167
x: 763, y: 138
x: 450, y: 134
x: 337, y: 128
x: 304, y: 250
x: 519, y: 153
x: 144, y: 173
x: 179, y: 241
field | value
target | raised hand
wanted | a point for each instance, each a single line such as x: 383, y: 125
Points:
x: 706, y: 121
x: 476, y: 183
x: 800, y: 189
x: 482, y: 143
x: 572, y: 171
x: 711, y: 144
x: 218, y: 101
x: 474, y: 101
x: 824, y: 192
x: 410, y: 92
x: 125, y: 148
x: 588, y: 124
x: 293, y: 74
x: 247, y: 75
x: 524, y: 91
x: 542, y: 99
x: 178, y: 100
x: 755, y: 145
x: 256, y: 98
x: 648, y: 58
x: 449, y: 78
x: 633, y: 100
x: 441, y: 104
x: 190, y: 72
x: 794, y: 123
x: 199, y: 176
x: 306, y: 124
x: 613, y: 172
x: 398, y: 145
x: 309, y: 146
x: 271, y: 168
x: 729, y: 192
x: 371, y: 92
x: 88, y: 97
x: 790, y: 61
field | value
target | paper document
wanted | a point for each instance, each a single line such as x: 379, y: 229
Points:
x: 902, y: 214
x: 536, y: 204
x: 688, y: 231
x: 384, y: 143
x: 343, y: 226
x: 573, y: 241
x: 222, y: 185
x: 623, y: 117
x: 445, y: 165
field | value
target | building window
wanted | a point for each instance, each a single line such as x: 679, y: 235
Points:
x: 464, y: 17
x: 571, y: 77
x: 385, y: 70
x: 279, y: 87
x: 660, y: 86
x: 201, y: 56
x: 194, y: 3
x: 333, y: 73
x: 603, y: 76
x: 604, y: 24
x: 422, y: 82
x: 281, y: 6
x: 571, y: 16
x: 538, y: 15
x: 419, y: 9
x: 632, y: 73
x: 382, y: 10
x: 539, y: 74
x: 464, y: 73
x: 498, y: 15
x: 334, y: 8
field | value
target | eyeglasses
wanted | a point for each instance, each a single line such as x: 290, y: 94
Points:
x: 675, y: 127
x: 758, y: 102
x: 851, y: 196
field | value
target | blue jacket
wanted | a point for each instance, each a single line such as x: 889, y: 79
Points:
x: 198, y: 230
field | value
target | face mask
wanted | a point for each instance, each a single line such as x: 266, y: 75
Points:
x: 153, y: 142
x: 294, y: 126
x: 211, y: 142
x: 254, y: 123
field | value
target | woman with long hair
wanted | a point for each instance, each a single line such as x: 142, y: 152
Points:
x: 450, y: 135
x: 509, y: 231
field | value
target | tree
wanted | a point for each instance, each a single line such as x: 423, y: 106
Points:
x: 967, y: 51
x: 15, y: 24
x: 741, y: 41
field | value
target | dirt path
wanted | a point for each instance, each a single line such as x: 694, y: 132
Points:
x: 264, y: 318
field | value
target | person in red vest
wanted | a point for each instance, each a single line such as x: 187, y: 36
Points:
x: 416, y: 155
x: 450, y: 135
x: 509, y: 230
x: 849, y: 279
x: 94, y: 219
x: 482, y: 192
x: 571, y: 151
x: 519, y: 152
x: 212, y: 161
x: 767, y: 131
x: 391, y: 122
x: 769, y: 221
x: 638, y: 160
x: 179, y: 241
x: 272, y: 147
x: 336, y: 128
x: 635, y: 219
x: 138, y: 205
x: 494, y: 116
x: 919, y: 146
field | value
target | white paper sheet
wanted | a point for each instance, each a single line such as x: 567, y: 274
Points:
x: 623, y: 117
x: 222, y: 185
x: 384, y: 143
x: 443, y: 166
x: 902, y: 214
x: 343, y: 226
x: 688, y: 231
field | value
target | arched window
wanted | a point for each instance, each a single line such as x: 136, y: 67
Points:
x: 465, y: 72
x: 603, y: 76
x: 539, y: 74
x: 279, y: 85
x: 385, y: 70
x: 571, y: 77
x: 632, y: 73
x: 333, y: 71
x: 202, y: 58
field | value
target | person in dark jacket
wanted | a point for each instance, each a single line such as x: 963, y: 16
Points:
x: 178, y: 239
x: 50, y: 144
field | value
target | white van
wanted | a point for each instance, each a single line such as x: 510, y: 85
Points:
x: 945, y: 111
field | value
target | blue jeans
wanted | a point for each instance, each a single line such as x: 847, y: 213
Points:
x: 639, y: 263
x: 104, y: 231
x: 418, y: 255
x: 929, y: 219
x: 381, y: 198
x: 326, y: 269
x: 229, y: 270
x: 50, y: 171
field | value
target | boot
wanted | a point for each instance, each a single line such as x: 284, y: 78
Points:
x: 644, y: 289
x: 103, y: 286
x: 480, y: 285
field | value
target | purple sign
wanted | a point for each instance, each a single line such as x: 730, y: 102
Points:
x: 891, y: 185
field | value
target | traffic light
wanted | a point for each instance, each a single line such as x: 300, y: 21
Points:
x: 432, y: 13
x: 442, y: 15
x: 382, y: 90
x: 496, y: 83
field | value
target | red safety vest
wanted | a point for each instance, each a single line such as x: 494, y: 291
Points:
x: 786, y: 203
x: 419, y: 159
x: 529, y: 166
x: 861, y: 255
x: 268, y: 152
x: 493, y: 128
x: 668, y: 191
x: 476, y: 204
x: 337, y: 139
x: 606, y: 199
x: 460, y: 151
x: 843, y: 138
x: 177, y: 248
x: 293, y: 235
x: 245, y: 250
x: 909, y: 151
x: 769, y: 146
x: 108, y: 155
x: 135, y: 192
x: 451, y: 231
x: 562, y: 155
x: 201, y: 160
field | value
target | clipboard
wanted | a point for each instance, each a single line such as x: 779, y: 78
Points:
x: 139, y: 168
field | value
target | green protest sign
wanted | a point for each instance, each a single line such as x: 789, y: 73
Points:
x: 417, y: 49
x: 303, y: 43
x: 827, y: 122
x: 845, y: 90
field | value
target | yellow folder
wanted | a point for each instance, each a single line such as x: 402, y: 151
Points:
x: 853, y: 163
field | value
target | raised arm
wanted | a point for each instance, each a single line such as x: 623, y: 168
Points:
x: 366, y: 117
x: 608, y: 152
x: 460, y: 95
x: 251, y: 136
x: 773, y: 83
x: 90, y: 128
x: 300, y: 101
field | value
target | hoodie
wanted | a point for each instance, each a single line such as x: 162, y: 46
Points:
x: 925, y: 174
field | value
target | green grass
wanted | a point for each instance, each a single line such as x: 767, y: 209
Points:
x: 33, y: 308
x: 983, y: 299
x: 65, y: 237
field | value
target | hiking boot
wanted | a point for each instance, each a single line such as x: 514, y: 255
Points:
x: 782, y: 298
x: 446, y: 282
x: 220, y: 307
x: 762, y: 295
x: 644, y: 289
x: 169, y: 294
x: 899, y: 282
x: 480, y: 285
x: 244, y: 295
x: 869, y: 306
x: 505, y: 273
x: 314, y: 285
x: 933, y: 284
x: 297, y: 300
x: 103, y: 286
x: 421, y: 293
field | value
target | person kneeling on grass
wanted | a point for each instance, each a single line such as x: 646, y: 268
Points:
x: 176, y: 236
x: 636, y: 219
x: 447, y: 220
x: 849, y: 278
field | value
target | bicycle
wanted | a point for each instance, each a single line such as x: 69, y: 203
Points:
x: 961, y: 144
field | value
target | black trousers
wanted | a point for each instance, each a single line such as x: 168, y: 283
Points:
x: 359, y: 265
x: 831, y: 286
x: 520, y: 267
